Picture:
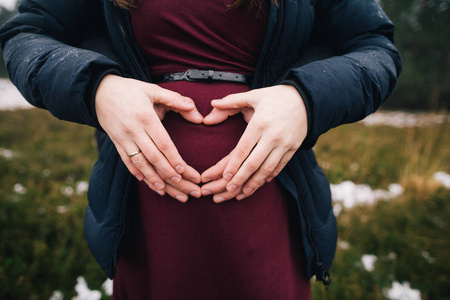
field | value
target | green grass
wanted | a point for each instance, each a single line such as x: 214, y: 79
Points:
x: 42, y: 246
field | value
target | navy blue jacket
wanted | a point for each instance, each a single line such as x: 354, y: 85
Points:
x: 44, y: 56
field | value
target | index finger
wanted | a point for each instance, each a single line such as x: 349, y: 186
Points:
x: 161, y: 139
x: 246, y: 143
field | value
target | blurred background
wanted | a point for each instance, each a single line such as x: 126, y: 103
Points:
x: 389, y: 177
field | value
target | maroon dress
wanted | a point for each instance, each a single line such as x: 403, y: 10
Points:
x: 202, y: 250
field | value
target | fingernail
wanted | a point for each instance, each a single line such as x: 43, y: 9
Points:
x: 181, y: 198
x: 206, y: 179
x: 160, y: 192
x: 231, y: 188
x: 228, y: 176
x: 248, y: 190
x: 175, y: 179
x: 159, y: 186
x: 139, y: 177
x: 240, y: 197
x: 206, y: 192
x: 219, y: 199
x: 196, y: 194
x: 269, y: 179
x: 179, y: 169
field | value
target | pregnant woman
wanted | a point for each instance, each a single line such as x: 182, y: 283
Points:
x: 206, y: 186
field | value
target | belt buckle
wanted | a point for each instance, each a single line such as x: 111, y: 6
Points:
x: 196, y: 75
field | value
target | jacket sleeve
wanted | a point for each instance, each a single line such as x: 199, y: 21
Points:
x: 352, y: 84
x: 43, y: 58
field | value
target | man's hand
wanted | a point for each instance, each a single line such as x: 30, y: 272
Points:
x: 130, y: 111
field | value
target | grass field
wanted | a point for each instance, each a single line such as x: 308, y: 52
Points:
x: 45, y: 165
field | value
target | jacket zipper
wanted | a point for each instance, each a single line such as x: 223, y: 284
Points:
x: 275, y: 39
x: 319, y: 272
x: 143, y: 75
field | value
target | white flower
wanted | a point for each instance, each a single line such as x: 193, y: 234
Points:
x: 19, y: 189
x: 57, y: 295
x: 392, y: 255
x: 428, y: 258
x: 7, y: 154
x: 82, y: 187
x: 62, y: 209
x: 368, y: 261
x: 343, y: 245
x: 66, y: 190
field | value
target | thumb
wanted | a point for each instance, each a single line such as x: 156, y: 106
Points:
x: 192, y: 116
x: 217, y: 116
x: 171, y: 99
x: 234, y: 101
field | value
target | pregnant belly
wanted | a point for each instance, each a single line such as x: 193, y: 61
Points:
x: 199, y: 145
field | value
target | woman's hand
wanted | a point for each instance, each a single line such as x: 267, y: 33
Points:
x: 277, y: 126
x: 130, y: 111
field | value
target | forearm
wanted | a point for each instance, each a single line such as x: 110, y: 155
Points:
x: 56, y: 76
x: 344, y: 89
x: 359, y: 77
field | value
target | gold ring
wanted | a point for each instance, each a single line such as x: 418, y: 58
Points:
x: 134, y: 153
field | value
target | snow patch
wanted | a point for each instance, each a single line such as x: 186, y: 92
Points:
x: 351, y: 194
x: 11, y: 98
x: 443, y: 178
x: 108, y: 287
x: 84, y: 293
x: 401, y: 119
x: 8, y: 4
x: 401, y: 292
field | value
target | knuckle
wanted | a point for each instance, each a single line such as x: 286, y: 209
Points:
x: 296, y: 145
x: 164, y: 174
x: 262, y: 125
x: 139, y: 162
x: 267, y: 170
x: 144, y: 118
x: 128, y: 130
x: 239, y: 180
x: 242, y: 151
x: 252, y: 166
x: 277, y: 171
x: 253, y: 184
x: 163, y: 143
x: 152, y: 157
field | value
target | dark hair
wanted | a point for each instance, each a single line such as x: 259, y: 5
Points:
x: 248, y: 4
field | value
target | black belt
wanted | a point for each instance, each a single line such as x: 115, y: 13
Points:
x: 202, y: 75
